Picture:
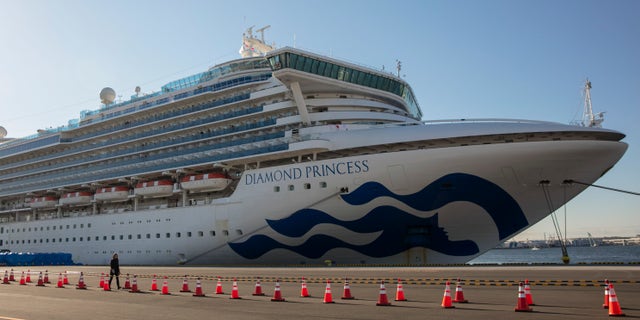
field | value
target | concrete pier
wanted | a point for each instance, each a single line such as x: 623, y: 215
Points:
x: 559, y: 292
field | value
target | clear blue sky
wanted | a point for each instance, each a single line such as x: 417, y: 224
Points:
x: 464, y: 59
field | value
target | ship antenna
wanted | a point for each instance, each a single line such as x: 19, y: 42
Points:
x: 398, y: 67
x: 589, y: 119
x: 261, y: 30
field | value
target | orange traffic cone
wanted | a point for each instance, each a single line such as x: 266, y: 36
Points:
x: 105, y: 286
x: 65, y: 280
x: 527, y: 293
x: 258, y: 289
x: 400, y: 292
x: 605, y: 305
x: 28, y: 279
x: 346, y: 292
x: 60, y: 284
x: 328, y: 297
x: 382, y: 299
x: 304, y: 292
x: 81, y: 284
x: 219, y: 287
x: 101, y: 280
x: 522, y: 305
x: 40, y: 281
x: 23, y: 282
x: 134, y: 285
x: 614, y: 306
x: 127, y: 283
x: 11, y: 277
x: 277, y: 294
x: 459, y: 298
x: 185, y: 285
x: 5, y: 280
x: 234, y: 291
x: 154, y: 284
x: 46, y: 277
x: 165, y: 287
x: 199, y: 292
x: 446, y: 299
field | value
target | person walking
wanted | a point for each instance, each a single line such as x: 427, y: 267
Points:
x: 115, y: 270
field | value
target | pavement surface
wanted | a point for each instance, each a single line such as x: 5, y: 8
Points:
x: 558, y: 292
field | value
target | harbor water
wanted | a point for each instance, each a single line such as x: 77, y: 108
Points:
x: 577, y: 255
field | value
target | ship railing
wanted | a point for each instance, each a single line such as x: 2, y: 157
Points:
x: 486, y: 120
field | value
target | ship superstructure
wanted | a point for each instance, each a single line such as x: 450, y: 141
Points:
x: 287, y: 157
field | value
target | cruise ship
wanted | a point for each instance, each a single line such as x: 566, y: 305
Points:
x: 287, y: 157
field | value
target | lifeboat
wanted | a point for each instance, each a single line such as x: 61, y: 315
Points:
x: 43, y: 202
x: 157, y: 188
x: 76, y: 198
x: 112, y: 193
x: 205, y: 182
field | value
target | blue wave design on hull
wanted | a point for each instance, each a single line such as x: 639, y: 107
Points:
x: 391, y: 221
x: 400, y: 230
x: 503, y: 209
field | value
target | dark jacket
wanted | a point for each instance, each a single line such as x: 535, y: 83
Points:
x: 115, y: 267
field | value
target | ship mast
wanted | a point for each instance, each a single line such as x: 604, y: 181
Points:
x: 589, y: 119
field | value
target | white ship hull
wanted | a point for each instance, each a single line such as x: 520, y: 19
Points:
x: 446, y: 204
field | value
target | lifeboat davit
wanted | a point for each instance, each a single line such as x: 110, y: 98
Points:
x: 43, y: 202
x: 205, y: 182
x: 157, y: 188
x: 76, y: 198
x: 112, y: 193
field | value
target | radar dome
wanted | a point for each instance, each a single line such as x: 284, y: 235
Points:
x: 3, y: 132
x: 107, y: 95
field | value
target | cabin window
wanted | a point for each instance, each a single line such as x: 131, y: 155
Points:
x: 148, y: 236
x: 139, y: 236
x: 239, y: 232
x: 113, y: 237
x: 212, y: 233
x: 307, y: 186
x: 178, y: 234
x: 157, y: 236
x: 130, y: 237
x: 323, y: 184
x: 200, y: 234
x: 189, y: 234
x: 291, y: 187
x: 276, y: 189
x: 168, y: 235
x: 121, y: 237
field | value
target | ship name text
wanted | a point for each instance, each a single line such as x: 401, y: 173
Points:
x: 310, y: 171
